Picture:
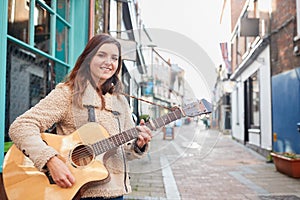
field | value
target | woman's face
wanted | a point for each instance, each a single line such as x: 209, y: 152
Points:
x: 104, y: 63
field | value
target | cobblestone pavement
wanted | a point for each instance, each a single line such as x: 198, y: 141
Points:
x: 205, y: 164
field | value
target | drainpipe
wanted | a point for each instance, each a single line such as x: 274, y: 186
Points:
x: 119, y: 18
x: 91, y: 19
x: 106, y: 16
x: 270, y: 52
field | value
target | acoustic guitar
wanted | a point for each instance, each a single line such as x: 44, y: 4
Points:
x: 23, y: 181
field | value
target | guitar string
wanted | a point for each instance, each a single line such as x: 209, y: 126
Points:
x: 107, y: 144
x: 113, y: 141
x: 79, y: 153
x: 82, y: 152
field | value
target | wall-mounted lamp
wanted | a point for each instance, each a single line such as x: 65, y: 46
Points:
x: 229, y: 85
x: 296, y: 50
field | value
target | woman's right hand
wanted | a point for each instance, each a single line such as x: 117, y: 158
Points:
x: 60, y: 172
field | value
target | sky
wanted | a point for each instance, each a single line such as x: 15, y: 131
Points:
x: 197, y: 20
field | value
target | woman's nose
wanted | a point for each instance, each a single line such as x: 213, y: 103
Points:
x: 108, y: 60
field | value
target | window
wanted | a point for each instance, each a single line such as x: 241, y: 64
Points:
x: 237, y: 104
x: 99, y: 21
x: 37, y: 52
x: 254, y: 100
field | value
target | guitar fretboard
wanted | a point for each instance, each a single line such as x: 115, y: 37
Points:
x: 123, y: 137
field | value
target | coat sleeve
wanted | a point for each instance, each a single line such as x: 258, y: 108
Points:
x: 131, y: 149
x: 25, y: 130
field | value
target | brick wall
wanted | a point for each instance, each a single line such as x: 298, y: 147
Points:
x: 236, y: 9
x: 238, y: 47
x: 283, y: 29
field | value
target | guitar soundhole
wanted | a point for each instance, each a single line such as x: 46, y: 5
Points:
x: 82, y: 155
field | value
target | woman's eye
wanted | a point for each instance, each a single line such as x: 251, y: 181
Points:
x: 115, y: 58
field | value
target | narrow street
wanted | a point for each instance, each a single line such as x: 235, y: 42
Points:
x: 205, y: 164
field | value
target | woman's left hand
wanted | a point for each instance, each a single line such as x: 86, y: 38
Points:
x: 144, y: 136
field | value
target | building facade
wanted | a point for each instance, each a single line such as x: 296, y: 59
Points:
x: 265, y: 104
x: 285, y: 62
x: 38, y: 49
x: 40, y: 41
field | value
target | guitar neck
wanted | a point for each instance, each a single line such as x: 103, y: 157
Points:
x: 125, y: 136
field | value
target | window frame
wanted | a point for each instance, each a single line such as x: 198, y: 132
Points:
x: 253, y: 123
x: 53, y: 17
x: 5, y: 37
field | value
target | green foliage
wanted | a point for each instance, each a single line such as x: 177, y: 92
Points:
x: 269, y: 158
x: 145, y: 117
x: 290, y: 155
x: 7, y: 145
x: 98, y: 16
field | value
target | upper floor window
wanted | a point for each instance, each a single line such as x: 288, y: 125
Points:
x: 42, y: 24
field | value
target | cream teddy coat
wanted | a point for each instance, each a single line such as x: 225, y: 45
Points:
x: 57, y: 108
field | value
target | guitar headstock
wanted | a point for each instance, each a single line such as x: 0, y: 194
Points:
x: 197, y: 108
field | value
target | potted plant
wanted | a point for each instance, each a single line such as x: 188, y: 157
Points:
x: 287, y: 163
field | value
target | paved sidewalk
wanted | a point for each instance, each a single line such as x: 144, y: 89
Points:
x: 205, y: 164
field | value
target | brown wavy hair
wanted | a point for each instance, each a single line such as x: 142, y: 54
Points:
x: 80, y: 75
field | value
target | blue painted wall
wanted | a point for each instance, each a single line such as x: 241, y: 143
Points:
x: 3, y: 43
x: 286, y: 111
x: 79, y: 34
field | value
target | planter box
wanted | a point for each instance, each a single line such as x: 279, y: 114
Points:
x: 285, y: 165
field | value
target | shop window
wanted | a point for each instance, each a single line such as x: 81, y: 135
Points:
x: 237, y: 105
x: 21, y: 20
x: 62, y: 41
x: 18, y: 20
x: 35, y: 89
x: 37, y: 52
x: 254, y: 100
x: 62, y: 30
x: 41, y: 28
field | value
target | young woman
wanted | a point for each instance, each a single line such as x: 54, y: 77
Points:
x: 90, y: 93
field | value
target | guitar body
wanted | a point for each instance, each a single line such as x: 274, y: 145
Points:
x: 23, y: 181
